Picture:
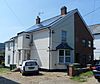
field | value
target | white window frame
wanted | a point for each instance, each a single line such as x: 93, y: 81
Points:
x: 64, y: 57
x: 89, y: 43
x: 61, y: 56
x: 67, y: 56
x: 65, y: 37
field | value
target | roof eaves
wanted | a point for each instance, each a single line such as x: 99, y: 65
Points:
x: 22, y: 32
x: 9, y: 41
x: 64, y: 46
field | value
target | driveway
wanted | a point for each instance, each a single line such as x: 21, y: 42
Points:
x: 42, y: 78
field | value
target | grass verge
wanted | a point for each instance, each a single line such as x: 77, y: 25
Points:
x: 82, y: 77
x: 4, y: 70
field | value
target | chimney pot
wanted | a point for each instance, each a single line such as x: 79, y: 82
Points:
x: 38, y: 20
x: 64, y: 10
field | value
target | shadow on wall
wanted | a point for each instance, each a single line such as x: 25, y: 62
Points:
x: 7, y: 81
x: 40, y: 46
x: 35, y: 55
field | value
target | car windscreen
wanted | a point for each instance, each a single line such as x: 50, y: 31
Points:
x: 30, y: 63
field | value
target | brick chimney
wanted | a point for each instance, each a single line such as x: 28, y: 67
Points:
x: 64, y: 10
x: 38, y: 20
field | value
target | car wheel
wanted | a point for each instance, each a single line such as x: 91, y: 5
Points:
x: 20, y: 71
x: 23, y: 73
x: 98, y: 80
x: 37, y: 72
x: 95, y: 77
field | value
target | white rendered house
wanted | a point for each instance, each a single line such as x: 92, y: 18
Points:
x: 95, y: 29
x: 51, y: 42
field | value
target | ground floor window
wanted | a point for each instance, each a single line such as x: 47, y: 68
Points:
x: 8, y: 59
x: 64, y: 56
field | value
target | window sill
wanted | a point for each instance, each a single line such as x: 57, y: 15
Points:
x: 64, y: 63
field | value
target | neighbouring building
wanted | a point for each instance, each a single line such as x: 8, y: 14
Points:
x: 54, y: 43
x: 2, y: 52
x: 2, y: 49
x: 95, y: 29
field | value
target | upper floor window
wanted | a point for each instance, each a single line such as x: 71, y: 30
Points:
x: 89, y: 43
x: 27, y: 36
x: 64, y: 36
x: 86, y: 43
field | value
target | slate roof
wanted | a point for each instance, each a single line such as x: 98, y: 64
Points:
x: 49, y: 22
x: 63, y: 46
x: 95, y: 29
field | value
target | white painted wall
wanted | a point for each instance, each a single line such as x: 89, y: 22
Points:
x: 67, y: 24
x: 6, y: 54
x: 23, y: 42
x: 97, y: 46
x: 39, y: 50
x: 9, y: 53
x: 20, y: 41
x: 16, y: 51
x: 26, y: 41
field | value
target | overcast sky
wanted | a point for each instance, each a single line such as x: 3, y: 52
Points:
x: 18, y: 15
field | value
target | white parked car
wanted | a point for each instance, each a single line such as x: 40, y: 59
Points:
x: 29, y: 66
